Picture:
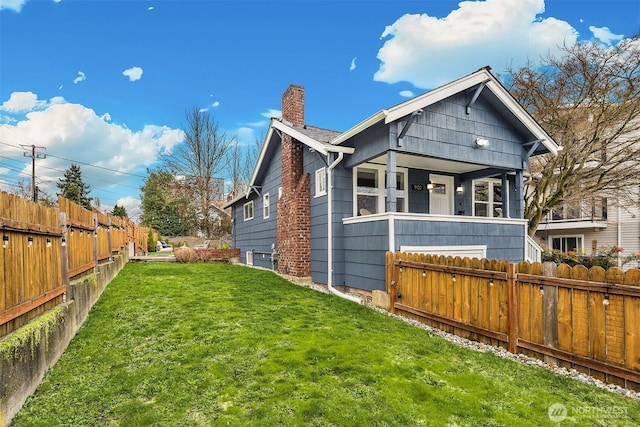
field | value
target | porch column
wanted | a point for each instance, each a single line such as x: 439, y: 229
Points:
x: 519, y: 194
x: 391, y: 182
x: 505, y: 196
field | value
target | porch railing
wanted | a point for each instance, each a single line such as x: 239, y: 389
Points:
x: 533, y: 251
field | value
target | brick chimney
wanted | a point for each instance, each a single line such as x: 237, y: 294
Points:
x: 294, y: 206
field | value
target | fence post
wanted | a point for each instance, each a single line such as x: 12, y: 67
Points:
x: 550, y: 311
x: 64, y: 252
x: 512, y: 286
x: 95, y: 238
x: 393, y: 286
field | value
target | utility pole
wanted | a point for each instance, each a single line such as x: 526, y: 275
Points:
x: 34, y: 155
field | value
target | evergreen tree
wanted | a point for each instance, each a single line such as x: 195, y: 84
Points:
x: 164, y: 207
x: 119, y: 211
x: 73, y: 188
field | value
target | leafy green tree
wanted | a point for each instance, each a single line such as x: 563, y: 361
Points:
x: 119, y: 211
x: 151, y: 243
x: 164, y: 207
x: 73, y: 188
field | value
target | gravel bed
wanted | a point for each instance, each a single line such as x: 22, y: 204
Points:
x: 498, y: 351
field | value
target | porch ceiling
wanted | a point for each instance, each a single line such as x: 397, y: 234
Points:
x: 431, y: 164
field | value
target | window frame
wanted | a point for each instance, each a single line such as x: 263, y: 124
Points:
x: 579, y: 241
x: 266, y: 207
x: 321, y: 182
x: 380, y: 189
x: 491, y: 203
x: 245, y: 208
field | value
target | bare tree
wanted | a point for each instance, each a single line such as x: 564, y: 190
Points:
x: 197, y: 161
x: 242, y: 160
x: 588, y: 100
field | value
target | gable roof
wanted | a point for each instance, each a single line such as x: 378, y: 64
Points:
x: 499, y: 97
x: 326, y: 141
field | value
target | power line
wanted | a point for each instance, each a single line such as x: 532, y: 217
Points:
x: 82, y: 163
x: 34, y: 155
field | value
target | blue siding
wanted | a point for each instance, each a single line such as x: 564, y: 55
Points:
x: 259, y: 233
x: 446, y: 131
x: 364, y: 255
x: 313, y: 161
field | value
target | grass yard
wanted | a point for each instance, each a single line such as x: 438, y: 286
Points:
x: 209, y: 344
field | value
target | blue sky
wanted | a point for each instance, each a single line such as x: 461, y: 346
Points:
x: 106, y: 83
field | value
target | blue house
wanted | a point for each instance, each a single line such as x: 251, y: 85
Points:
x: 440, y: 173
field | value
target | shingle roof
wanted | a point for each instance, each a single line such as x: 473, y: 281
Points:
x: 319, y: 134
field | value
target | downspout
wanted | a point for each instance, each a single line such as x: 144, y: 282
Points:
x: 330, y: 231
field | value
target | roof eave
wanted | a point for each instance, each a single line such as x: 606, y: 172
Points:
x: 359, y: 127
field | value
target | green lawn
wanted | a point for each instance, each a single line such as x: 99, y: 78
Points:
x: 209, y: 344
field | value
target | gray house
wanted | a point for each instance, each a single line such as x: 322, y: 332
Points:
x: 440, y: 173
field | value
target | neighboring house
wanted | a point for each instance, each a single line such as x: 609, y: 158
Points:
x: 590, y: 225
x: 440, y: 173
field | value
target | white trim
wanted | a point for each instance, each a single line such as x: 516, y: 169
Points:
x: 244, y: 210
x: 482, y: 75
x: 249, y: 257
x: 491, y: 204
x: 565, y: 236
x: 392, y: 233
x: 320, y: 190
x: 266, y: 206
x: 381, y: 190
x: 308, y: 141
x: 471, y: 251
x: 429, y: 217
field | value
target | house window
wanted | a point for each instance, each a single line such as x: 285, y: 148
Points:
x: 321, y: 182
x: 249, y: 255
x: 367, y: 191
x: 567, y: 243
x: 265, y: 205
x: 487, y: 198
x: 370, y: 188
x: 248, y: 211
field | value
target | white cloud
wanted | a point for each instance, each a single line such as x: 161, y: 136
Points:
x: 353, y: 64
x: 203, y: 110
x: 73, y: 131
x: 215, y: 104
x: 106, y: 117
x: 478, y: 33
x: 150, y: 8
x: 605, y: 35
x: 81, y: 77
x: 131, y: 205
x: 21, y: 102
x: 15, y: 5
x: 246, y: 135
x: 271, y: 113
x: 406, y: 93
x: 134, y: 73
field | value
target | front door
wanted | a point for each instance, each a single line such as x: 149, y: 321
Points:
x: 441, y: 196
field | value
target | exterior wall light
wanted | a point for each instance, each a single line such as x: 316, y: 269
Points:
x: 5, y: 240
x: 30, y: 241
x: 429, y: 185
x: 460, y: 189
x: 48, y: 242
x: 482, y: 142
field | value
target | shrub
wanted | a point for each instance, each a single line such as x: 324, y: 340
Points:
x: 185, y: 255
x: 606, y: 257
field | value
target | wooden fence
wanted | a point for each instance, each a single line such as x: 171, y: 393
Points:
x: 44, y: 248
x: 587, y: 319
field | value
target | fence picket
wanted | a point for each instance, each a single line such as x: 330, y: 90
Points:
x: 576, y: 317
